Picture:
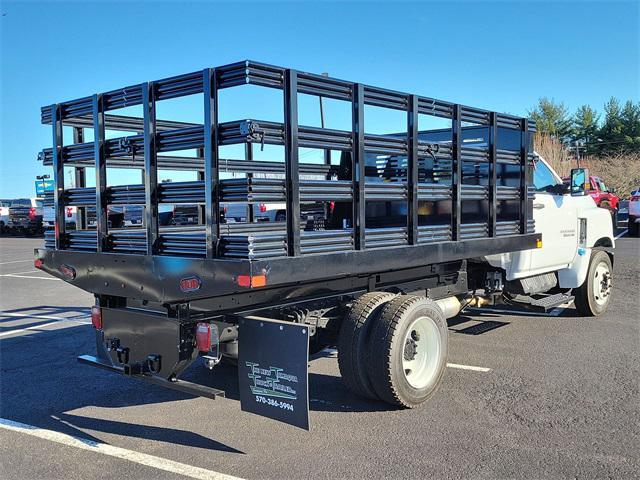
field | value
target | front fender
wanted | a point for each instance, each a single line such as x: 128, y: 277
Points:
x: 596, y: 231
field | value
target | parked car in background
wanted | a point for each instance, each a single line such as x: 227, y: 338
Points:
x: 4, y: 214
x: 604, y: 197
x: 24, y: 216
x: 187, y: 214
x: 48, y: 216
x: 262, y: 212
x: 115, y: 218
x: 133, y: 215
x: 634, y: 213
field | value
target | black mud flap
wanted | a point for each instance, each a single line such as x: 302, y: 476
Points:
x: 273, y: 368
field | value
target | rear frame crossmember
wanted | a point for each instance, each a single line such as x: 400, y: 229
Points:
x: 173, y: 384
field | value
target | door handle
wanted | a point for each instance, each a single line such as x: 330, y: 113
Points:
x: 538, y: 206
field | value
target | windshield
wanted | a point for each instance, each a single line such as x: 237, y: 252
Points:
x: 543, y: 177
x: 602, y: 186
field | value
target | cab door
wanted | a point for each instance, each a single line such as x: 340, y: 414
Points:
x: 556, y: 218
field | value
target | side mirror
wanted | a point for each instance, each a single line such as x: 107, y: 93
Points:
x: 579, y: 181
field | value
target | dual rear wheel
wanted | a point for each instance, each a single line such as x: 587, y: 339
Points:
x: 393, y: 348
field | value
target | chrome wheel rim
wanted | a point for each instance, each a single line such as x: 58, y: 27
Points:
x: 601, y: 286
x: 421, y: 352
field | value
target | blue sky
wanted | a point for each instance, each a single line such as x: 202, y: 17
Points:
x: 497, y: 55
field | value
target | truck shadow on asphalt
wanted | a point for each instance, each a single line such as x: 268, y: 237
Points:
x: 149, y: 432
x: 480, y: 326
x: 326, y: 392
x: 478, y: 321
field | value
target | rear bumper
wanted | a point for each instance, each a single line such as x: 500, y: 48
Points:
x: 179, y: 385
x: 23, y: 223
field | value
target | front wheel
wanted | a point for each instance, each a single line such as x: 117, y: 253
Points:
x: 592, y: 298
x: 407, y: 351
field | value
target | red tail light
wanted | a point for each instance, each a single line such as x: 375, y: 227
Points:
x: 226, y: 209
x: 38, y: 263
x: 96, y: 317
x: 32, y: 213
x: 190, y: 284
x: 68, y: 272
x: 263, y: 208
x: 69, y: 212
x: 203, y: 337
x: 332, y: 206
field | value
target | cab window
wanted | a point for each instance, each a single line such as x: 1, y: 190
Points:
x: 543, y: 177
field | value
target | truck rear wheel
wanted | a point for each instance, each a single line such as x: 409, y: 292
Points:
x: 352, y: 341
x: 407, y: 351
x: 594, y: 295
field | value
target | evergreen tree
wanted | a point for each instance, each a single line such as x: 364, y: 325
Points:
x: 611, y: 137
x: 551, y: 118
x: 585, y: 127
x: 630, y: 119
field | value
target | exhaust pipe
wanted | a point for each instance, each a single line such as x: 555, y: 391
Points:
x: 478, y: 301
x: 450, y: 306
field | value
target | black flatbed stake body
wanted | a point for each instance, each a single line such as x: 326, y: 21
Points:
x: 400, y: 211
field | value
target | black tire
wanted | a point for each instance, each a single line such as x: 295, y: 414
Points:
x: 634, y: 228
x: 352, y: 341
x: 388, y: 346
x: 585, y: 299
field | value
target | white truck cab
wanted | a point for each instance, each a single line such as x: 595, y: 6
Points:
x: 577, y: 238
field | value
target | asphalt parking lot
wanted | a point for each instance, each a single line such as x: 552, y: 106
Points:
x: 526, y: 396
